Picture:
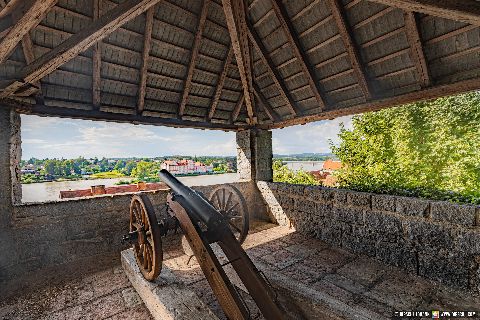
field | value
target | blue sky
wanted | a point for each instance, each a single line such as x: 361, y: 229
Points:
x: 57, y: 138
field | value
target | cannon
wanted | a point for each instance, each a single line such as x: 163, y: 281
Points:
x: 221, y: 218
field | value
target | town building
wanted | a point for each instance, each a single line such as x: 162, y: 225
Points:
x: 185, y: 166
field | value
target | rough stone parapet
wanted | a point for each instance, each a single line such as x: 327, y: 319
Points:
x: 435, y: 239
x: 44, y: 235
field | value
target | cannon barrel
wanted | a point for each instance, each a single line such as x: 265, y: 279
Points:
x: 192, y: 201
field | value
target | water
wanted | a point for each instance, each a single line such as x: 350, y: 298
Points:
x: 48, y: 191
x: 304, y: 165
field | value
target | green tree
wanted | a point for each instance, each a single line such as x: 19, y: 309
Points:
x: 281, y: 173
x: 429, y: 149
x: 145, y: 169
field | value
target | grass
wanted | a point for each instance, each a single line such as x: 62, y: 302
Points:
x: 107, y: 175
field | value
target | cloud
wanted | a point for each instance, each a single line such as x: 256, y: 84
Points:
x: 312, y: 137
x: 33, y: 141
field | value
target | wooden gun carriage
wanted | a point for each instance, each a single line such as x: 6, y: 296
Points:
x: 222, y: 219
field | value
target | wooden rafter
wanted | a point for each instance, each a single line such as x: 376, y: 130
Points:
x: 235, y: 15
x: 415, y: 42
x: 265, y: 104
x: 71, y: 113
x: 193, y: 57
x: 35, y: 11
x: 147, y: 42
x: 292, y: 37
x: 8, y: 8
x: 79, y: 42
x: 271, y: 69
x: 236, y: 110
x: 221, y: 82
x: 467, y: 11
x: 432, y: 92
x: 96, y: 61
x: 351, y: 47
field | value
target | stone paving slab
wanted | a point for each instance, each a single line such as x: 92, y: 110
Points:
x: 323, y: 281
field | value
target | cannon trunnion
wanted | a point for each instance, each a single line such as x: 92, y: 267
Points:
x: 223, y: 219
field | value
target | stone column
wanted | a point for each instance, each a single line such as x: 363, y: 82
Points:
x: 10, y: 155
x: 254, y: 155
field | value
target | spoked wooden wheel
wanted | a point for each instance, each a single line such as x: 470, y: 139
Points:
x: 148, y: 248
x: 232, y: 205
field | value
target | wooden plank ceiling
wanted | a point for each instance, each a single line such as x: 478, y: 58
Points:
x: 233, y: 64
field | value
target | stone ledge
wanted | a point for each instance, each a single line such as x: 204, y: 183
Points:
x: 167, y: 297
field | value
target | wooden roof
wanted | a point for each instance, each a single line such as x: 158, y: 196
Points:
x: 172, y: 62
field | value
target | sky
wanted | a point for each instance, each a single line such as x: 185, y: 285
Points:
x: 67, y: 138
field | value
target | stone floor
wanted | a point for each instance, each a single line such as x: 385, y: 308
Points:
x: 313, y: 281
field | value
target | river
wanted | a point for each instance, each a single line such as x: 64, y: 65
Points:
x: 48, y: 191
x: 304, y: 165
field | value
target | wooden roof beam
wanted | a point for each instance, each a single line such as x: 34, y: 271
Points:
x: 351, y: 47
x: 99, y: 115
x: 265, y: 104
x: 221, y: 82
x: 96, y: 62
x: 34, y: 12
x: 8, y: 8
x: 292, y: 37
x: 271, y: 69
x: 79, y: 42
x: 235, y: 15
x: 467, y: 11
x: 193, y: 57
x: 415, y: 42
x: 236, y: 110
x: 432, y: 92
x: 147, y: 42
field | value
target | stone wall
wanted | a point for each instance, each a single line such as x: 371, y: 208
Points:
x: 437, y: 240
x: 64, y: 236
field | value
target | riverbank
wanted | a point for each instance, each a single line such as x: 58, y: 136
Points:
x: 48, y: 191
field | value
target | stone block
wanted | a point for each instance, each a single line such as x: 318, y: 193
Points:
x: 348, y: 215
x: 450, y: 269
x: 359, y: 199
x: 383, y: 202
x: 412, y: 206
x: 399, y: 254
x: 304, y: 205
x: 453, y: 213
x: 360, y: 240
x: 425, y: 234
x: 385, y: 222
x: 295, y: 189
x: 319, y: 194
x: 340, y: 198
x: 467, y: 242
x: 287, y: 202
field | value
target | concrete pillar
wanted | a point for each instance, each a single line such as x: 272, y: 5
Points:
x: 254, y: 155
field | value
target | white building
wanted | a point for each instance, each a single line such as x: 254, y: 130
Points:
x: 185, y: 167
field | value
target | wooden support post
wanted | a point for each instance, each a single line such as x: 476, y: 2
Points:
x: 271, y: 69
x: 97, y: 61
x: 292, y: 37
x: 35, y: 11
x: 221, y: 82
x: 193, y: 57
x: 416, y: 47
x: 351, y: 47
x: 235, y: 14
x: 79, y: 42
x: 147, y: 41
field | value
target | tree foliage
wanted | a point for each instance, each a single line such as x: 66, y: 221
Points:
x: 281, y: 173
x: 428, y: 149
